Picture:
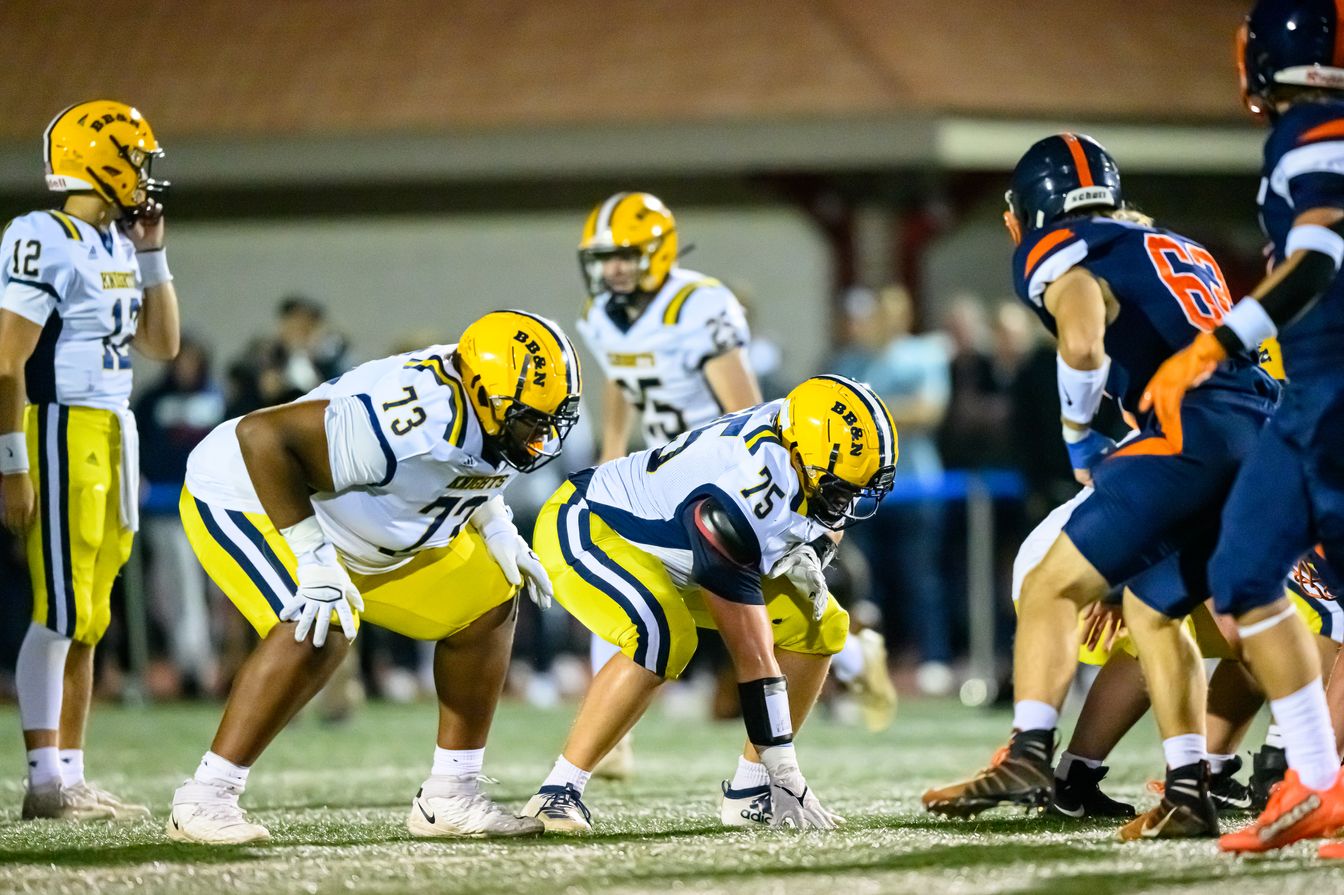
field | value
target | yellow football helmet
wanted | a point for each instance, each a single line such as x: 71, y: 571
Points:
x: 105, y: 147
x: 523, y: 379
x: 843, y: 444
x: 629, y: 222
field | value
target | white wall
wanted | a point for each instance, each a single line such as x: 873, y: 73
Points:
x: 384, y: 279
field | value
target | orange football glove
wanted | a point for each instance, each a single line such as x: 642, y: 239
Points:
x: 1178, y: 374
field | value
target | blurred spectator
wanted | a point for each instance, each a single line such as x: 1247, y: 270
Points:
x: 303, y: 353
x: 173, y: 416
x: 981, y: 406
x: 904, y: 542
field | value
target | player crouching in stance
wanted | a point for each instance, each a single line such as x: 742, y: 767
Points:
x: 728, y: 528
x: 376, y: 498
x: 1122, y: 296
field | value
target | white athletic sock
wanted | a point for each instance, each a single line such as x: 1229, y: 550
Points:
x: 565, y: 773
x: 1184, y: 749
x: 1066, y: 760
x: 72, y: 767
x: 750, y: 774
x: 1309, y: 738
x: 458, y: 762
x: 39, y: 677
x: 44, y: 766
x: 1274, y: 737
x: 1218, y: 762
x: 600, y: 652
x: 1032, y: 715
x: 220, y: 771
x: 847, y: 664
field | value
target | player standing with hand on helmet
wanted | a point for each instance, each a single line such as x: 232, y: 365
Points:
x: 81, y: 287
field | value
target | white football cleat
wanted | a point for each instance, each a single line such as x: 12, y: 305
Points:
x: 122, y: 812
x: 619, y: 763
x: 453, y: 806
x: 873, y: 688
x: 209, y: 814
x: 745, y: 807
x: 57, y: 802
x: 560, y: 809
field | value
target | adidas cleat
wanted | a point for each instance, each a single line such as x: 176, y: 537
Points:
x: 1020, y: 774
x: 67, y: 803
x: 1079, y: 795
x: 208, y: 814
x: 745, y: 807
x: 560, y: 809
x: 454, y: 806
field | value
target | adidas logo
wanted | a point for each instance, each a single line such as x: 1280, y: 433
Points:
x: 92, y: 459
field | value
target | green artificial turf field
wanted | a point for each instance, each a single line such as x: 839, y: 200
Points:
x: 336, y: 800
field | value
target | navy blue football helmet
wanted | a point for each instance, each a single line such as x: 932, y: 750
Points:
x: 1057, y: 176
x: 1291, y: 42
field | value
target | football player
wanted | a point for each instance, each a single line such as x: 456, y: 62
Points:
x: 727, y: 527
x: 1292, y: 74
x: 82, y: 285
x: 1118, y: 699
x: 376, y: 498
x: 1121, y: 296
x: 672, y: 345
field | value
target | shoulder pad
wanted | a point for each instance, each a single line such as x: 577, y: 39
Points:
x: 723, y: 533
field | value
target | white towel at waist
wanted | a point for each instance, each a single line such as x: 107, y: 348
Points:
x: 130, y: 470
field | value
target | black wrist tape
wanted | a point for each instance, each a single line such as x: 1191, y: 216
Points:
x: 765, y: 710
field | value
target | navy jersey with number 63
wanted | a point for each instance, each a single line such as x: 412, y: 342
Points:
x: 1168, y: 289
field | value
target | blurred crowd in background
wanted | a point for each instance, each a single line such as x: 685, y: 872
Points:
x: 965, y: 393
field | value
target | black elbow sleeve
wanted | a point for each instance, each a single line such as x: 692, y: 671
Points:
x: 1300, y: 289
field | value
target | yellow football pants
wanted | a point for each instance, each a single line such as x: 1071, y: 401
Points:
x: 626, y: 596
x: 77, y: 546
x: 435, y: 595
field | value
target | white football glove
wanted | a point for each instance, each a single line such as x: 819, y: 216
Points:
x: 802, y: 568
x: 511, y: 552
x: 792, y: 802
x: 324, y: 588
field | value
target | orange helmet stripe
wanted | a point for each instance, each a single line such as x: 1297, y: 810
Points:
x: 1080, y: 158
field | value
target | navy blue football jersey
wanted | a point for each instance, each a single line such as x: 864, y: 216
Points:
x: 1168, y: 288
x: 1304, y: 169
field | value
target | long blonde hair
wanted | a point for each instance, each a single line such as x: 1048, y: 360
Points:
x: 1128, y: 215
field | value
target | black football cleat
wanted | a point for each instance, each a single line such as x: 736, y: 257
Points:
x: 1019, y: 774
x: 1079, y: 795
x: 1267, y: 768
x: 1229, y: 794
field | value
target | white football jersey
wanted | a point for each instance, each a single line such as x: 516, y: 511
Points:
x: 738, y: 459
x: 658, y: 360
x: 405, y: 449
x: 82, y: 286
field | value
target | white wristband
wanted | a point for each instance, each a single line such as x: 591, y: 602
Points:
x: 1252, y: 324
x: 13, y: 453
x: 1080, y: 391
x: 304, y: 537
x: 153, y: 267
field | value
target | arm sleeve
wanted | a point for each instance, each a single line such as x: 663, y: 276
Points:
x: 725, y: 557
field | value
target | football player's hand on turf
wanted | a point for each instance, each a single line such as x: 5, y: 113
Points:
x: 802, y: 569
x: 18, y: 502
x: 511, y: 552
x: 794, y: 805
x: 1178, y: 374
x: 324, y: 588
x: 1102, y: 624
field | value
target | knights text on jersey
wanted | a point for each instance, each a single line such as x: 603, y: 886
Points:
x: 82, y: 286
x: 658, y: 360
x: 738, y: 459
x: 405, y: 422
x: 1168, y: 289
x: 1304, y: 169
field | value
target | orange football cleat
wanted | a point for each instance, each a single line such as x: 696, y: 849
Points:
x: 1333, y: 850
x: 1295, y: 812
